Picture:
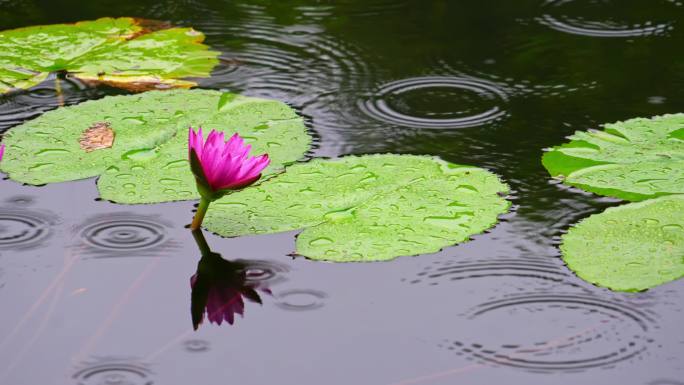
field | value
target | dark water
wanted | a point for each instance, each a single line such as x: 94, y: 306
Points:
x: 97, y: 293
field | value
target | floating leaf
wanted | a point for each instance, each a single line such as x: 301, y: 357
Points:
x: 367, y: 208
x: 147, y: 160
x: 124, y: 52
x: 632, y: 160
x: 629, y: 248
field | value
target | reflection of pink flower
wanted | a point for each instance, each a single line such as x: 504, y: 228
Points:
x: 2, y: 150
x: 219, y: 285
x: 218, y: 289
x: 224, y: 301
x: 224, y: 165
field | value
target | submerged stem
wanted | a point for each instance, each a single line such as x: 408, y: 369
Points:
x: 199, y: 215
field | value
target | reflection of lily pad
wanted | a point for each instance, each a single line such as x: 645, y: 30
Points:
x: 368, y: 208
x: 632, y: 160
x: 629, y: 248
x: 147, y: 161
x: 123, y: 52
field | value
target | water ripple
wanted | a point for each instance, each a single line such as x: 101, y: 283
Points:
x: 536, y: 273
x: 394, y: 102
x: 113, y: 371
x: 264, y: 272
x: 606, y: 28
x: 196, y: 346
x: 301, y: 64
x: 20, y: 106
x: 21, y: 228
x: 301, y: 299
x: 20, y: 200
x: 124, y: 234
x: 512, y: 86
x: 296, y: 63
x: 586, y: 332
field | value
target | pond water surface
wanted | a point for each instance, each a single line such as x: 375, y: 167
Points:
x: 97, y: 293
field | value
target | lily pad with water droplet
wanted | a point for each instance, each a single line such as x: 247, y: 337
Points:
x: 633, y: 160
x: 147, y: 159
x: 123, y: 52
x: 367, y: 208
x: 632, y: 247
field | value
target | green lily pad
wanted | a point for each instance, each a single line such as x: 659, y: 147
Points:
x: 147, y: 160
x: 632, y: 247
x: 124, y: 52
x: 367, y: 208
x: 633, y: 160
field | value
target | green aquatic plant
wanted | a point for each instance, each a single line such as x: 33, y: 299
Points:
x: 135, y: 54
x: 138, y: 146
x: 631, y: 247
x: 632, y: 160
x: 367, y: 208
x: 220, y: 167
x: 636, y: 246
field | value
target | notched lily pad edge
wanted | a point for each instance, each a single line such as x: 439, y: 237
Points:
x: 472, y: 237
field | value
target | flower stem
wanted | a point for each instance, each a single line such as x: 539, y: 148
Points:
x: 201, y: 242
x: 199, y: 215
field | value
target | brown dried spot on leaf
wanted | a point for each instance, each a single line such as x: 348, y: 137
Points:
x: 98, y: 136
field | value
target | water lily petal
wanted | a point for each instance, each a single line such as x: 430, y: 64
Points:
x: 226, y: 164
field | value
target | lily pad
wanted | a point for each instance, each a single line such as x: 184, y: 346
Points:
x: 123, y: 52
x: 146, y: 160
x: 367, y: 208
x: 633, y: 160
x: 631, y: 247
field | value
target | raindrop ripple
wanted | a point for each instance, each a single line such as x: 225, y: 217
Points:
x: 614, y: 331
x: 385, y: 103
x: 24, y: 229
x: 107, y: 371
x: 124, y: 233
x: 301, y: 299
x: 581, y: 26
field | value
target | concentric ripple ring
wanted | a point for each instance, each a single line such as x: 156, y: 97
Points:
x: 22, y: 229
x: 580, y: 26
x: 614, y: 331
x: 379, y: 108
x: 301, y: 299
x: 124, y: 234
x: 116, y: 371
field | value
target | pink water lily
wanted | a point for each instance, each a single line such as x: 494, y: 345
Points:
x: 226, y: 164
x: 220, y: 166
x: 2, y: 150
